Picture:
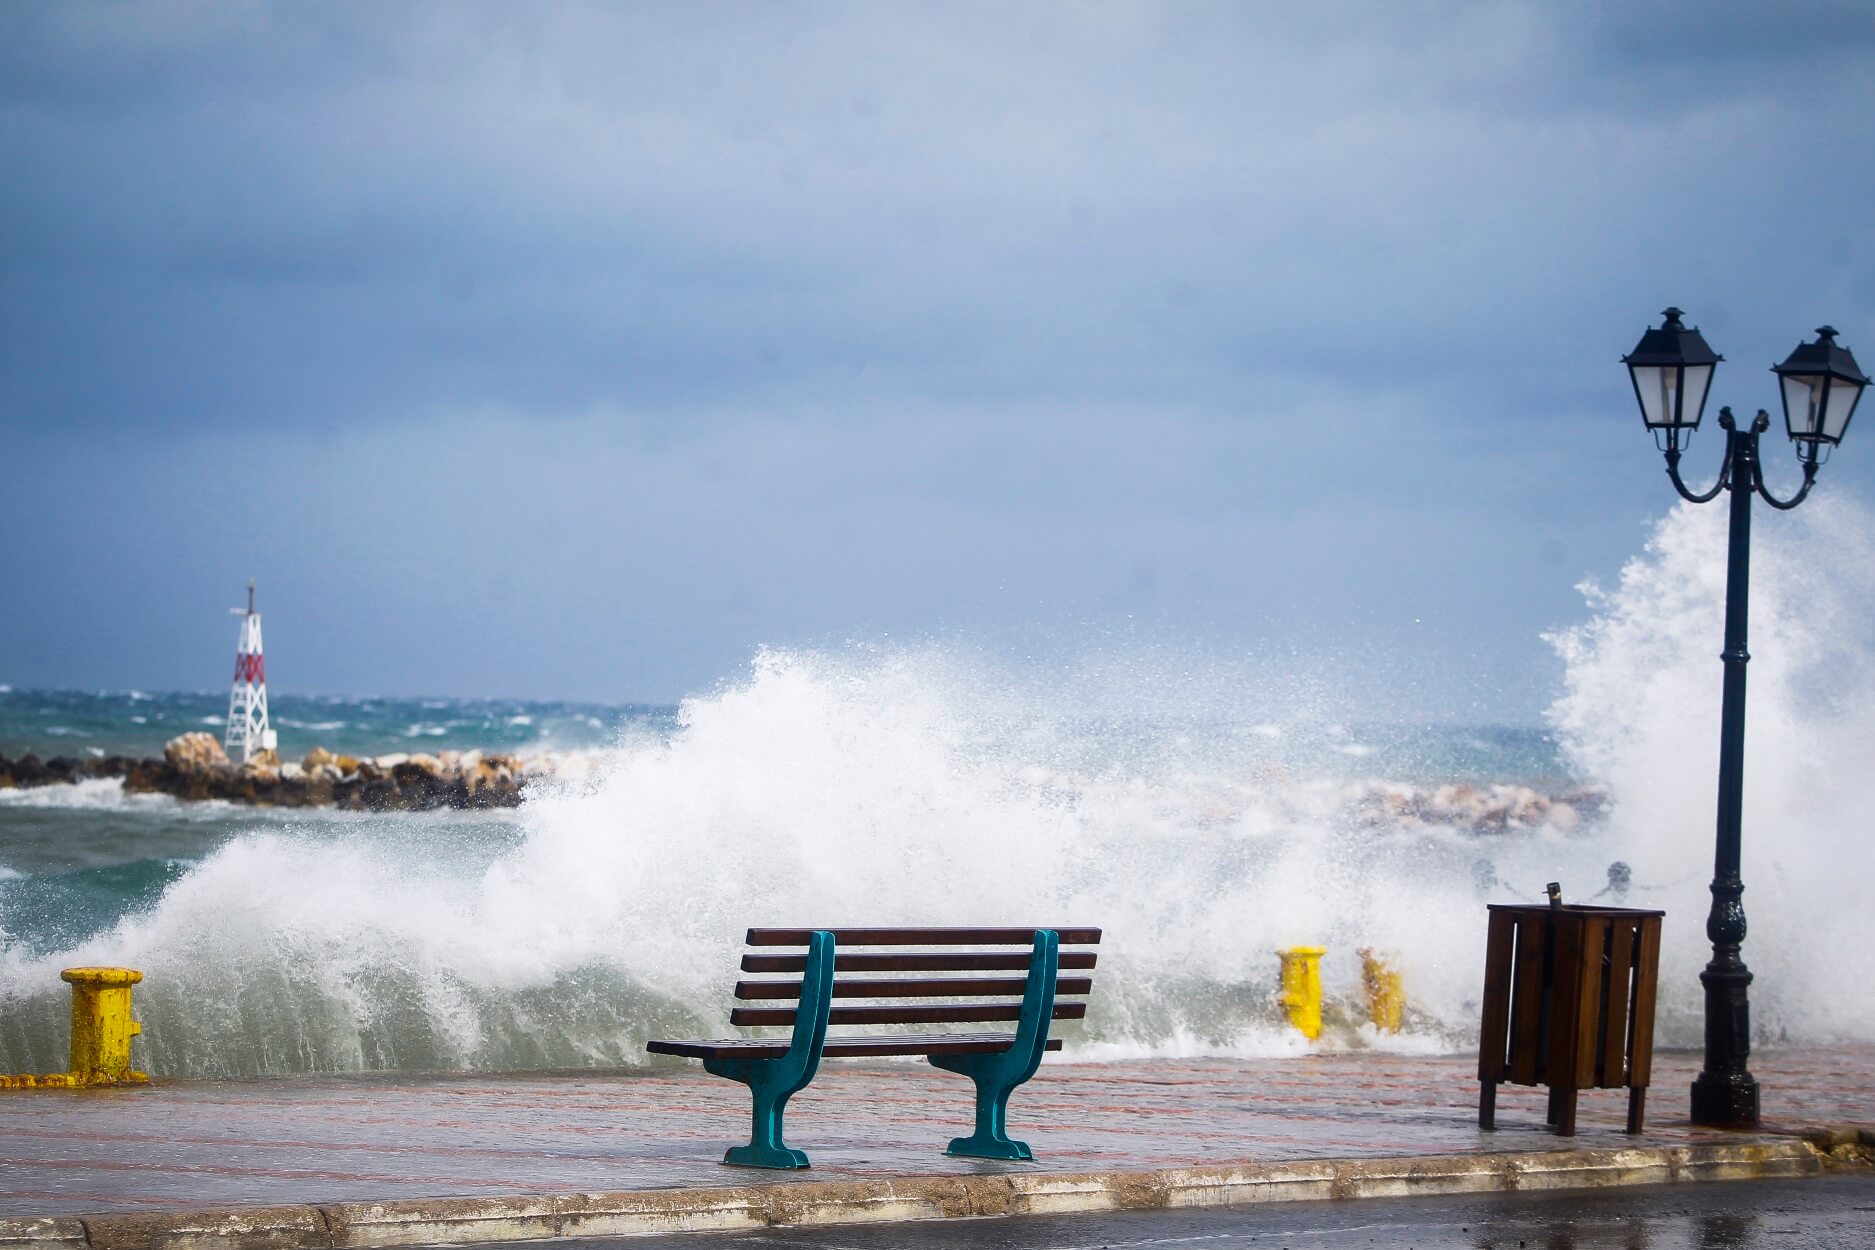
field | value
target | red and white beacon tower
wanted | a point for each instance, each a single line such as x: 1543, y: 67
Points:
x: 248, y: 729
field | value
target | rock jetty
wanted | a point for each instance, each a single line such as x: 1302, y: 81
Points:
x: 195, y: 767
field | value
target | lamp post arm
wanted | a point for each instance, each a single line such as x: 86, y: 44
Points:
x: 1725, y: 468
x: 1757, y: 472
x: 1785, y: 505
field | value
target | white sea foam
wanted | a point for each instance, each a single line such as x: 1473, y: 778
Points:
x: 913, y: 787
x: 318, y: 726
x: 93, y: 794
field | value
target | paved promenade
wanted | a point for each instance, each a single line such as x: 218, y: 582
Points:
x: 192, y: 1145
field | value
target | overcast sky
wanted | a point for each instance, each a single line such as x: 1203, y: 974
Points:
x: 576, y: 351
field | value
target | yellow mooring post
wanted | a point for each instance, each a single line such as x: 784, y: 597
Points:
x: 101, y: 1025
x: 1386, y: 998
x: 1302, y: 988
x: 101, y: 1033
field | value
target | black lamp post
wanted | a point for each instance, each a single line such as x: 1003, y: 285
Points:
x: 1672, y: 370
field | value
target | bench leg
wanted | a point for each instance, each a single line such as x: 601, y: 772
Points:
x: 769, y: 1091
x: 991, y: 1140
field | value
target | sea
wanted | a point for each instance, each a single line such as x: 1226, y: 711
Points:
x: 1204, y: 816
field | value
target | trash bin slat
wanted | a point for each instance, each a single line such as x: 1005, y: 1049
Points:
x: 1646, y: 973
x: 1617, y: 999
x: 1585, y: 1029
x: 1565, y: 994
x: 1495, y: 1033
x: 1526, y: 1005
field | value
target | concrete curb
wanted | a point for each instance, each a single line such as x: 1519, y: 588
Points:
x: 340, y: 1226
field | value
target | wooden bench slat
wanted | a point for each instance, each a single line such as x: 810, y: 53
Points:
x: 905, y: 1013
x: 919, y: 961
x: 851, y: 1047
x: 932, y: 987
x: 921, y: 937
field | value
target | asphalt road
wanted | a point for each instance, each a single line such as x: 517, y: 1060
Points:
x: 1836, y: 1211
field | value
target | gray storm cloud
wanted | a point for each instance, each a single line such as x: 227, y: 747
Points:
x: 806, y: 321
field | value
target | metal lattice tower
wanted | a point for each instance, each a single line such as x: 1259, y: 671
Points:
x: 248, y: 729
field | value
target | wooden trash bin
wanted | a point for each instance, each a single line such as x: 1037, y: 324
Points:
x: 1569, y: 1003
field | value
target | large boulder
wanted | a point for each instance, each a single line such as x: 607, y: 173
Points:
x: 316, y: 757
x: 195, y: 753
x: 148, y: 777
x: 258, y: 769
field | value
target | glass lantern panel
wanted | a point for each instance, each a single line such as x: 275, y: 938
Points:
x: 1654, y: 385
x: 1841, y: 402
x: 1696, y: 378
x: 1803, y: 393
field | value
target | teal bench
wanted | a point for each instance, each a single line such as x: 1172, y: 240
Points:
x: 844, y: 964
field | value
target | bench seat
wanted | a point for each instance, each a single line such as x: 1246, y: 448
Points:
x: 880, y: 966
x: 850, y: 1047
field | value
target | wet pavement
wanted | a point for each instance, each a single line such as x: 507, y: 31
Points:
x: 197, y: 1144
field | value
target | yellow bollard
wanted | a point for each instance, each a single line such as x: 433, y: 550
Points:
x: 1302, y: 988
x: 1386, y: 997
x: 101, y: 1025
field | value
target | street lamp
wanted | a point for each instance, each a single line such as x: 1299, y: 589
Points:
x: 1672, y: 370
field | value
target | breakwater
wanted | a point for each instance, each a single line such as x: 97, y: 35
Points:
x: 194, y: 767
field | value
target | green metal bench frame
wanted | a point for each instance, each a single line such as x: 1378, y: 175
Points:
x: 995, y: 1069
x: 772, y: 1082
x: 998, y: 1073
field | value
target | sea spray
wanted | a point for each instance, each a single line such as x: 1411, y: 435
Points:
x: 1204, y: 821
x: 896, y: 787
x: 1640, y: 712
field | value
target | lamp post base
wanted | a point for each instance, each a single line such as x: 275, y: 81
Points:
x: 1725, y: 1100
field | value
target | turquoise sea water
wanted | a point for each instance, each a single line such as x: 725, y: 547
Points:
x: 81, y: 723
x: 75, y: 860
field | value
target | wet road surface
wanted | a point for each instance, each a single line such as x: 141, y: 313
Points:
x: 1835, y: 1212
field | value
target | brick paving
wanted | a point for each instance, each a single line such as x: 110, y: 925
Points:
x: 202, y: 1143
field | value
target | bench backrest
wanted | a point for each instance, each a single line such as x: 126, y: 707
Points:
x: 876, y: 970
